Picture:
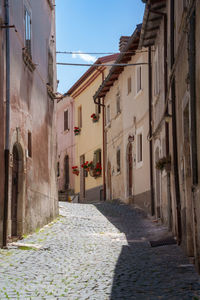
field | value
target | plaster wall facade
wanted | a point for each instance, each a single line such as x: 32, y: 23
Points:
x: 65, y: 144
x: 32, y: 114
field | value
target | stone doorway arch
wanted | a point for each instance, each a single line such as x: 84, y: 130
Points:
x: 17, y: 204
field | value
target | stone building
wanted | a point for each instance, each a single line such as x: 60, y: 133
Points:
x: 88, y: 120
x: 28, y: 84
x: 171, y: 32
x: 124, y: 93
x: 65, y: 147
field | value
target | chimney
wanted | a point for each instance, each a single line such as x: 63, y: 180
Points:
x: 123, y: 42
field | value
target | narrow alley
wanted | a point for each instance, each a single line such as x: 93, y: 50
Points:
x: 97, y: 252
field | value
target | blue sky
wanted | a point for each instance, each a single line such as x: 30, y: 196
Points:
x: 91, y: 26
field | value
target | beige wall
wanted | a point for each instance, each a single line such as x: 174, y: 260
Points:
x: 132, y: 120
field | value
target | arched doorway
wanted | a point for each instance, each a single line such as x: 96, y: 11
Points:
x: 130, y: 169
x: 66, y: 171
x: 15, y: 191
x: 17, y: 205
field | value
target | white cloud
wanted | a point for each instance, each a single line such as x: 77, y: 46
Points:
x: 85, y: 57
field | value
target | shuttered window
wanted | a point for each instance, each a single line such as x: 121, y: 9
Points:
x: 118, y: 160
x: 27, y: 24
x: 129, y: 85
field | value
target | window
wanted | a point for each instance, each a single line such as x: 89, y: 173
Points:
x: 58, y: 169
x: 108, y: 114
x: 66, y: 126
x: 139, y: 78
x: 80, y: 117
x: 98, y: 107
x: 118, y: 103
x: 129, y: 85
x: 97, y: 157
x: 29, y: 144
x: 118, y: 161
x: 139, y: 148
x: 27, y: 24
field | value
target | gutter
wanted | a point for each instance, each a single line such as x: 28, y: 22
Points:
x: 7, y: 134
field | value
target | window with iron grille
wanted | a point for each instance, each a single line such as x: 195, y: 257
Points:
x: 27, y: 25
x: 66, y: 121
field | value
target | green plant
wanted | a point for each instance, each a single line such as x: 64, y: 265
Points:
x: 163, y: 163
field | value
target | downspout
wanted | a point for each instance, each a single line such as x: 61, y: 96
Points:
x: 7, y: 135
x: 104, y: 153
x: 150, y: 133
x: 174, y: 129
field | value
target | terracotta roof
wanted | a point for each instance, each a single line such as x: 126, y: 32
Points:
x: 151, y: 21
x: 101, y: 60
x: 123, y: 58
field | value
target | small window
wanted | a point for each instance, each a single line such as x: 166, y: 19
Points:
x: 129, y: 85
x: 29, y: 144
x: 108, y: 114
x: 50, y: 68
x: 80, y: 117
x: 139, y: 78
x: 98, y: 107
x: 118, y: 160
x: 66, y: 126
x: 139, y: 148
x: 58, y: 169
x: 97, y: 157
x: 27, y: 24
x: 156, y: 74
x: 118, y: 103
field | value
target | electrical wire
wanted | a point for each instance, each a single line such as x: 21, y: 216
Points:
x: 77, y: 52
x: 101, y: 65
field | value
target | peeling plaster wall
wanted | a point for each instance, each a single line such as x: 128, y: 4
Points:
x: 32, y: 110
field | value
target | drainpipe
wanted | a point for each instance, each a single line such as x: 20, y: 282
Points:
x: 150, y: 133
x: 174, y: 129
x: 104, y: 153
x: 7, y: 144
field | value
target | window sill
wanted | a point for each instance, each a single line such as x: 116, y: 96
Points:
x: 139, y: 165
x: 118, y: 173
x: 117, y: 115
x: 138, y: 94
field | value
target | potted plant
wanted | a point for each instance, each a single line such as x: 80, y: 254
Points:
x: 77, y: 130
x: 94, y: 117
x: 97, y: 170
x: 75, y: 170
x: 164, y: 163
x: 87, y: 165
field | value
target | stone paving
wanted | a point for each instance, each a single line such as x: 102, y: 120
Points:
x: 97, y: 252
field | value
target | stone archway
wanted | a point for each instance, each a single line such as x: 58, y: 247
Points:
x: 16, y: 221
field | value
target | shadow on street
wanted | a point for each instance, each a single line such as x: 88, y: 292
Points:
x: 143, y: 272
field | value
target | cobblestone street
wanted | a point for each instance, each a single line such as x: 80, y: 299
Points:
x: 97, y: 252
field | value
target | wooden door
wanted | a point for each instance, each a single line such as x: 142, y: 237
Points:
x: 130, y: 170
x: 14, y: 201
